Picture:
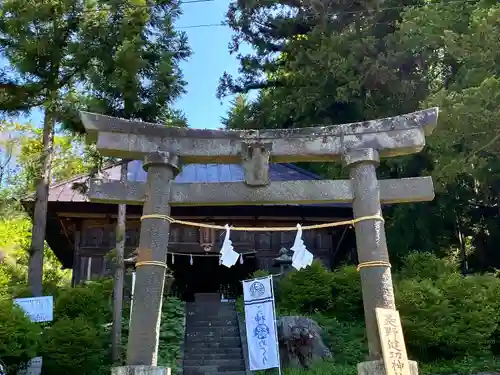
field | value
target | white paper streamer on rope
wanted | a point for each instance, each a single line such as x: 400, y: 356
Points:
x: 173, y: 258
x: 229, y: 257
x: 191, y: 260
x: 301, y: 256
x: 241, y: 258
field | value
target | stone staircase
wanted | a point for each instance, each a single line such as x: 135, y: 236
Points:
x: 213, y: 343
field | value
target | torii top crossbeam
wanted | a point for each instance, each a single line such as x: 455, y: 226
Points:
x: 130, y: 139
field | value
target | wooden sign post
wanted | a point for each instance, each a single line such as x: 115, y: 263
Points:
x: 392, y: 342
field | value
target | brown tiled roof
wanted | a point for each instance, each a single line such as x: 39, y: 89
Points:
x: 65, y: 191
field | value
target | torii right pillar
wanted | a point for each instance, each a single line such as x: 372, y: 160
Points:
x: 376, y: 281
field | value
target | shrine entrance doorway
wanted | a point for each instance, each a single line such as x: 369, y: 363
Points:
x: 203, y: 274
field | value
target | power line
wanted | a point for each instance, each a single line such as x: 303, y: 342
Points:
x: 333, y: 13
x: 340, y: 13
x: 199, y: 26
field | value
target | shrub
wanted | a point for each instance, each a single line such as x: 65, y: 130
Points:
x: 260, y: 273
x: 450, y: 317
x: 19, y: 337
x: 171, y: 332
x: 418, y: 265
x: 347, y: 295
x: 346, y: 340
x: 74, y: 346
x: 91, y: 301
x: 307, y: 290
x: 326, y: 367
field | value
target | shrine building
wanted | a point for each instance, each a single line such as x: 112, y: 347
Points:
x: 81, y: 232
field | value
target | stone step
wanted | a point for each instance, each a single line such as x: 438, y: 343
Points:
x: 226, y: 363
x: 207, y: 339
x: 227, y: 340
x: 204, y: 357
x: 212, y: 351
x: 222, y: 339
x: 231, y: 343
x: 212, y: 342
x: 211, y: 325
x: 198, y: 370
x: 211, y: 307
x: 207, y: 321
x: 190, y: 312
x: 206, y: 330
x: 210, y: 312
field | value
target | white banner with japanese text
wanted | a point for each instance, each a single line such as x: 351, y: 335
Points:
x: 260, y: 320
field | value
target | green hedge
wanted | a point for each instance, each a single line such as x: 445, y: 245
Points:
x: 446, y: 317
x: 91, y: 301
x: 171, y: 333
x: 78, y: 341
x: 19, y: 337
x: 75, y: 346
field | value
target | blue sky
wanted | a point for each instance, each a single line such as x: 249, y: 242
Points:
x: 208, y: 62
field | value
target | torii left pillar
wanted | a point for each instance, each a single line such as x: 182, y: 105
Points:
x: 142, y: 348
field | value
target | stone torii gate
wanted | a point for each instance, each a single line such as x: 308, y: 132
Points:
x: 359, y: 146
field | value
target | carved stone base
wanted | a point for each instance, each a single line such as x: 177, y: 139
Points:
x: 378, y: 368
x: 140, y: 370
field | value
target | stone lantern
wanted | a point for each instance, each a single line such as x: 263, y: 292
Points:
x: 284, y: 260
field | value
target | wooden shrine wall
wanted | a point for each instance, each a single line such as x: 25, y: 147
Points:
x: 97, y: 237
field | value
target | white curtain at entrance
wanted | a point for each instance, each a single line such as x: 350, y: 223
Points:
x: 260, y: 320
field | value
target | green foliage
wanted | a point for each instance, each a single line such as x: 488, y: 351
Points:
x: 324, y: 368
x: 137, y: 76
x: 260, y: 273
x: 171, y: 333
x: 347, y: 300
x: 346, y: 339
x: 20, y: 337
x: 449, y: 317
x: 74, y: 346
x: 307, y: 290
x: 465, y: 365
x: 331, y: 63
x: 15, y: 237
x: 459, y: 366
x: 419, y: 265
x: 91, y: 301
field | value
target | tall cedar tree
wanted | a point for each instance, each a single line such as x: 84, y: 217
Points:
x: 137, y: 77
x: 322, y: 62
x: 47, y: 45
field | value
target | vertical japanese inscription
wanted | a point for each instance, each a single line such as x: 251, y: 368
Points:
x: 392, y: 341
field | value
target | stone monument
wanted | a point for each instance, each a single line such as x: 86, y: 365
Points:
x: 358, y: 145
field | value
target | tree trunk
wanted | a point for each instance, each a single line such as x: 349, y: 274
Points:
x: 119, y: 271
x: 35, y: 268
